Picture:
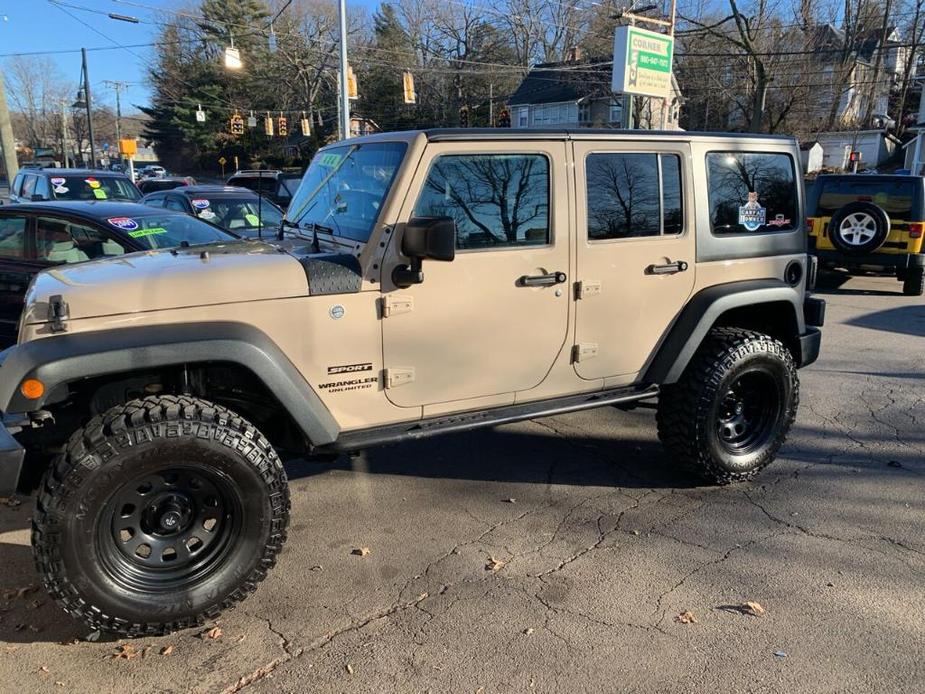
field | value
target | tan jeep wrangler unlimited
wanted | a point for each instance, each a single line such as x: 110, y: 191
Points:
x: 447, y: 280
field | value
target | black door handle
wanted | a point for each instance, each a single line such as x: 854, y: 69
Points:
x: 542, y: 280
x: 667, y: 269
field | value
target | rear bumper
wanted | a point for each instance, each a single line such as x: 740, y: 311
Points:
x: 11, y: 457
x: 884, y: 261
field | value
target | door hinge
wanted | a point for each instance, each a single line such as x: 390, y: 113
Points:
x: 392, y: 305
x: 58, y: 313
x: 398, y: 376
x: 585, y: 350
x: 586, y: 288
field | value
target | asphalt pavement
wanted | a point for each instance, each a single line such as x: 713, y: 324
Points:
x: 561, y: 555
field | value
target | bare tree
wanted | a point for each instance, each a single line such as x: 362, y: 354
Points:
x: 37, y: 90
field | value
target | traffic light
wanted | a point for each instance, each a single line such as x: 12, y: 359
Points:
x: 282, y: 126
x: 408, y: 88
x: 463, y: 116
x: 237, y: 124
x: 268, y: 125
x: 306, y: 125
x: 504, y: 118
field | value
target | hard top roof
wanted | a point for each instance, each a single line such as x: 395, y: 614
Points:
x: 77, y: 172
x: 98, y: 210
x: 211, y: 188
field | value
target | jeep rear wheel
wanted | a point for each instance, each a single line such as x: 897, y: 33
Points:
x: 859, y: 228
x: 730, y: 412
x: 160, y: 514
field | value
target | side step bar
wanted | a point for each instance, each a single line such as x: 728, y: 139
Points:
x: 420, y: 429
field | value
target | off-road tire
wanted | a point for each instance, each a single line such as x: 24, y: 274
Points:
x: 689, y: 411
x: 159, y: 437
x: 914, y: 281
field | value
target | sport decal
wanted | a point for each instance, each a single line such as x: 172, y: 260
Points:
x: 752, y: 215
x: 126, y: 223
x: 350, y: 368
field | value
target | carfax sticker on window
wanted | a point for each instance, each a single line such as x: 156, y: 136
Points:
x: 126, y: 223
x: 752, y: 215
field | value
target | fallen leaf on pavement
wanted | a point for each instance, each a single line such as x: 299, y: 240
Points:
x: 44, y: 668
x: 125, y: 651
x: 528, y: 631
x: 59, y: 684
x: 361, y: 551
x: 213, y: 633
x: 780, y: 654
x: 167, y: 650
x: 753, y: 608
x: 494, y: 564
x: 510, y: 500
x: 349, y: 668
x: 686, y: 617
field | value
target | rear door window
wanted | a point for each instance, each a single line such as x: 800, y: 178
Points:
x: 752, y: 192
x: 13, y: 237
x: 896, y: 198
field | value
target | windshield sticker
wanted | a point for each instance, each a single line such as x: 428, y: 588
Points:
x: 207, y: 214
x: 60, y: 190
x: 147, y: 232
x: 58, y: 181
x: 200, y: 203
x: 752, y: 215
x: 126, y: 223
x: 99, y: 193
x: 329, y: 160
x: 92, y: 182
x: 779, y: 221
x: 252, y: 219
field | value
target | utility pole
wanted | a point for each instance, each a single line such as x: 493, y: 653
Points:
x: 491, y: 104
x: 6, y: 137
x: 118, y: 87
x: 344, y: 91
x: 64, y: 134
x: 89, y: 103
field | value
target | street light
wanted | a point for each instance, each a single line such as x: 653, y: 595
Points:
x: 84, y: 101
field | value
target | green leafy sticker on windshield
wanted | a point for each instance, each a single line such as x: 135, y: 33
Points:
x: 147, y: 232
x: 252, y: 219
x: 329, y: 160
x: 99, y: 193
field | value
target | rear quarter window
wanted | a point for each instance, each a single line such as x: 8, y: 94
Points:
x: 752, y: 192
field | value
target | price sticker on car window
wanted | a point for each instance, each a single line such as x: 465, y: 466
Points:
x: 200, y: 203
x: 124, y: 223
x: 99, y: 193
x: 330, y: 160
x: 92, y: 182
x: 58, y: 181
x: 252, y: 219
x: 147, y: 232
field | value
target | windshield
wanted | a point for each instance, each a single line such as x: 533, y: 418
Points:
x: 92, y: 187
x: 344, y: 187
x: 168, y: 230
x: 241, y: 215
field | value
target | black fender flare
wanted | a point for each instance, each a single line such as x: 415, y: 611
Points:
x: 67, y: 358
x: 702, y: 311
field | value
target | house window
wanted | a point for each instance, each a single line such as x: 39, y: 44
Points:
x: 523, y: 117
x: 584, y: 112
x: 616, y: 111
x: 554, y: 114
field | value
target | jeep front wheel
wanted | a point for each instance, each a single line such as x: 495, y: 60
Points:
x: 159, y: 514
x: 730, y: 412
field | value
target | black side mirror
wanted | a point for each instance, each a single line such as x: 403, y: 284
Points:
x: 433, y: 238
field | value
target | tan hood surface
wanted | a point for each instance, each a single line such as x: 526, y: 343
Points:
x: 157, y: 280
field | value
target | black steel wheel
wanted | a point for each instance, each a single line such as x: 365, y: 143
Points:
x: 731, y: 410
x: 748, y: 412
x: 160, y: 514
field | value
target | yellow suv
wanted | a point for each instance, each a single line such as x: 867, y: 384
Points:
x: 869, y: 223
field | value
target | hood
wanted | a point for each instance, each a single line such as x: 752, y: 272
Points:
x: 156, y: 280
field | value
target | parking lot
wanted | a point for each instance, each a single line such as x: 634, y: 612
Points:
x: 558, y: 554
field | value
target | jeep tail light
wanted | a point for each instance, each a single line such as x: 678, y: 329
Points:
x: 915, y: 230
x: 809, y: 223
